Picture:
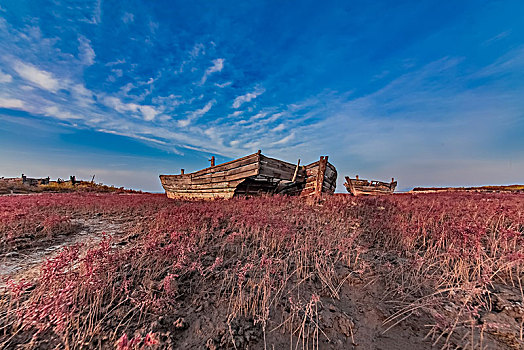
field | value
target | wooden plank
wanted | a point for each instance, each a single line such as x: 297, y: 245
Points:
x: 279, y: 169
x: 199, y: 195
x: 320, y: 175
x: 232, y: 171
x: 252, y: 158
x: 279, y: 174
x: 274, y: 161
x: 312, y: 165
x: 244, y: 168
x: 217, y: 185
x: 231, y: 175
x: 220, y: 190
x: 171, y: 179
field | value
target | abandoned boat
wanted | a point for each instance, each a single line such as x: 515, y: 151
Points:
x: 359, y: 187
x: 254, y: 174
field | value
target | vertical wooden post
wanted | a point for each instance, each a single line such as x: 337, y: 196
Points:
x: 181, y: 171
x: 212, y: 160
x: 322, y: 163
x: 296, y: 171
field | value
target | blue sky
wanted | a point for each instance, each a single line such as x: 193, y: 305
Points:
x: 429, y: 92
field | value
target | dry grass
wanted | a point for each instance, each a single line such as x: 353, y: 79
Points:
x: 272, y: 261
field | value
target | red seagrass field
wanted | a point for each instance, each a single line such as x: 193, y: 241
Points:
x: 140, y: 271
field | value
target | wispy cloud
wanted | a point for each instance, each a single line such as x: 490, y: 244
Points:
x: 41, y: 78
x: 128, y: 17
x: 5, y: 78
x: 134, y: 136
x: 198, y: 49
x: 148, y: 112
x: 117, y: 62
x: 218, y: 65
x: 223, y: 85
x: 285, y: 140
x: 497, y: 37
x: 56, y: 112
x: 240, y: 100
x: 510, y: 62
x: 85, y: 51
x: 196, y: 114
x: 11, y: 103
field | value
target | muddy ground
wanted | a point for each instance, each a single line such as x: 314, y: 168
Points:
x: 362, y: 317
x: 26, y: 262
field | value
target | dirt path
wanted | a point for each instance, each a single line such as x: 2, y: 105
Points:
x: 28, y: 261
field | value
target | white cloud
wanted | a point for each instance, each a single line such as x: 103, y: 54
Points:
x: 11, y: 103
x: 133, y: 135
x: 118, y: 105
x: 197, y: 50
x: 118, y: 72
x: 217, y: 66
x: 97, y: 13
x: 148, y: 112
x: 128, y: 18
x: 85, y: 51
x: 54, y: 111
x: 196, y: 114
x: 5, y: 78
x: 38, y: 77
x: 285, y: 140
x: 223, y: 85
x: 251, y: 121
x: 280, y: 127
x: 83, y: 97
x: 117, y: 62
x: 235, y: 114
x: 247, y: 97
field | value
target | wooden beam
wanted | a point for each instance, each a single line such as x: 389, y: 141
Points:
x: 320, y: 175
x: 296, y: 171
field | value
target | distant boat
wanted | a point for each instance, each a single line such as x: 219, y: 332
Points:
x: 359, y: 187
x: 254, y: 174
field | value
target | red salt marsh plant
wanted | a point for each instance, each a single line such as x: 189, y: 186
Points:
x: 451, y: 251
x: 271, y: 260
x: 256, y: 251
x: 26, y: 220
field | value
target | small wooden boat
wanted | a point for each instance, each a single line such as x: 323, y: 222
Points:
x: 254, y: 174
x: 359, y: 187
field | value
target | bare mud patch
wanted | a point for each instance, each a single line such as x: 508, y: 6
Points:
x: 26, y: 263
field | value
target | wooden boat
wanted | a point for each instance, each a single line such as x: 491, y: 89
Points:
x: 359, y: 187
x: 321, y: 177
x: 254, y: 174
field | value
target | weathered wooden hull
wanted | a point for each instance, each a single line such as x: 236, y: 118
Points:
x: 254, y: 174
x: 321, y: 177
x: 358, y: 187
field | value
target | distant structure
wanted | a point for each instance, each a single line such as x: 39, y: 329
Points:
x: 35, y: 182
